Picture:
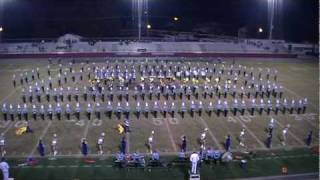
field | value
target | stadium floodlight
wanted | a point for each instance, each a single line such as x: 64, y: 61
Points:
x: 260, y: 30
x: 176, y: 18
x: 149, y: 26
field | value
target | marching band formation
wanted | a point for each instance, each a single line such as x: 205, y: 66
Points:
x: 156, y: 88
x: 166, y: 88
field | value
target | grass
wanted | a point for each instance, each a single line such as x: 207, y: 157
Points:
x: 261, y: 164
x: 299, y: 77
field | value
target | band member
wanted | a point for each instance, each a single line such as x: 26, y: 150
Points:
x: 225, y: 108
x: 203, y: 138
x: 138, y: 109
x: 261, y: 106
x: 54, y: 143
x: 58, y: 111
x: 84, y: 147
x: 2, y: 145
x: 146, y: 109
x: 5, y: 111
x: 78, y: 111
x: 228, y: 143
x: 292, y: 106
x: 109, y: 109
x: 25, y: 112
x: 165, y: 109
x: 34, y: 112
x: 100, y: 143
x: 235, y: 107
x: 68, y: 111
x: 98, y: 110
x: 253, y: 106
x: 183, y: 109
x: 242, y: 137
x: 219, y: 107
x: 42, y: 112
x: 127, y: 110
x: 172, y: 109
x: 269, y: 141
x: 89, y: 111
x: 156, y: 108
x: 11, y: 112
x: 278, y: 105
x: 285, y: 134
x: 210, y: 108
x: 305, y: 103
x: 14, y: 81
x: 269, y: 106
x: 309, y: 138
x: 150, y: 142
x: 184, y: 144
x: 50, y: 111
x: 193, y: 108
x: 284, y: 105
x: 41, y: 148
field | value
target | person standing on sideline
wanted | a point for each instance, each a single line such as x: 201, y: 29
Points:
x: 194, y: 158
x: 228, y: 143
x: 4, y: 166
x: 309, y: 138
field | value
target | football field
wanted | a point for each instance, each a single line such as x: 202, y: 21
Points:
x: 299, y: 78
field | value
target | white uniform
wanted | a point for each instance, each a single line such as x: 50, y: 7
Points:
x: 4, y: 166
x: 203, y: 139
x: 241, y: 137
x: 194, y: 158
x: 54, y: 143
x: 150, y: 141
x: 2, y: 144
x: 284, y: 134
x: 100, y: 144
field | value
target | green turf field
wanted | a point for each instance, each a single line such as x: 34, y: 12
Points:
x: 259, y: 164
x: 300, y: 79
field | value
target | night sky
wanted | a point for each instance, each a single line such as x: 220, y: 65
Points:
x: 108, y: 18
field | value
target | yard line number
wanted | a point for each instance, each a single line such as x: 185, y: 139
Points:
x: 160, y: 121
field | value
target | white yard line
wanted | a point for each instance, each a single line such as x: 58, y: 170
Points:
x: 18, y: 88
x: 300, y: 97
x: 291, y: 134
x: 310, y: 122
x: 86, y: 129
x: 174, y: 146
x: 8, y: 127
x: 128, y: 143
x: 44, y: 132
x: 8, y: 96
x: 161, y: 153
x: 213, y: 137
x: 252, y: 134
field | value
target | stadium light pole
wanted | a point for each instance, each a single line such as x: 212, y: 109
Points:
x: 1, y: 14
x: 140, y: 9
x: 275, y: 10
x: 271, y: 9
x: 139, y: 18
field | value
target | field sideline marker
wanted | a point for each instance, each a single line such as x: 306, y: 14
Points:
x: 211, y: 134
x: 7, y: 129
x: 170, y: 135
x: 44, y: 132
x: 252, y: 134
x: 291, y: 134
